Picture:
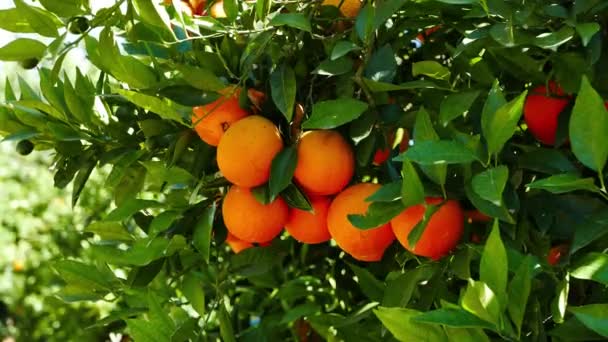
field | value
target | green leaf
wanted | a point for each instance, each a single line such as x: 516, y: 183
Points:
x: 491, y: 183
x: 281, y: 171
x: 295, y: 20
x: 142, y: 253
x: 63, y: 8
x: 498, y: 126
x: 163, y: 324
x: 559, y: 184
x: 193, y: 291
x: 416, y: 233
x: 299, y: 311
x: 587, y: 31
x: 382, y: 65
x: 153, y: 14
x: 378, y: 213
x: 589, y: 230
x: 452, y: 317
x: 370, y: 286
x: 283, y: 89
x: 231, y: 8
x: 589, y: 127
x: 560, y: 302
x: 480, y: 300
x: 141, y: 330
x: 438, y: 152
x: 165, y: 108
x: 432, y: 69
x: 21, y: 49
x: 495, y: 100
x: 76, y: 273
x: 380, y: 87
x: 162, y: 222
x: 552, y: 40
x: 336, y: 67
x: 130, y: 207
x: 11, y: 20
x: 385, y: 10
x: 519, y: 290
x: 109, y: 230
x: 494, y: 268
x: 81, y: 179
x: 343, y: 47
x: 42, y: 22
x: 201, y: 238
x: 412, y: 190
x: 592, y: 266
x: 400, y: 322
x: 424, y: 131
x: 226, y: 330
x: 200, y: 78
x: 295, y: 198
x: 593, y: 316
x: 387, y: 193
x: 400, y: 289
x: 456, y: 105
x: 333, y: 113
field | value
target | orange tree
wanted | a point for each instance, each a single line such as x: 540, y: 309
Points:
x: 499, y: 199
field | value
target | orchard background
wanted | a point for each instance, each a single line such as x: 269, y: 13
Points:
x: 491, y: 110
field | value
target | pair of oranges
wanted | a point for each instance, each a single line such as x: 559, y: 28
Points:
x: 246, y: 146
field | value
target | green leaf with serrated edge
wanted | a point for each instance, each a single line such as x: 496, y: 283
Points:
x: 519, y: 290
x: 201, y: 238
x: 593, y: 316
x: 378, y: 213
x: 42, y: 22
x: 498, y: 126
x: 424, y: 131
x: 416, y: 232
x: 400, y: 322
x: 22, y: 49
x: 370, y: 286
x: 456, y: 105
x: 283, y: 89
x: 412, y: 190
x: 592, y: 266
x: 438, y: 152
x: 296, y: 20
x: 491, y: 183
x: 333, y: 113
x: 560, y: 302
x: 494, y: 268
x: 589, y: 128
x: 563, y: 183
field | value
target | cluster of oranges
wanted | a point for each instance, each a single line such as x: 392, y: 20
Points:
x: 246, y: 146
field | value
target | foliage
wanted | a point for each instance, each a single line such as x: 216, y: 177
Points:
x: 460, y: 88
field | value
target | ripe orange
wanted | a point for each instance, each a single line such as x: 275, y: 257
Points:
x: 217, y: 10
x: 442, y: 232
x: 198, y: 6
x: 310, y: 227
x: 556, y: 253
x: 349, y: 8
x: 542, y: 109
x: 246, y: 150
x: 382, y: 155
x: 326, y: 162
x: 237, y: 245
x: 364, y: 245
x: 249, y: 220
x: 212, y: 120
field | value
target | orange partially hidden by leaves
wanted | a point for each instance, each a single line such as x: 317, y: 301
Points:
x: 441, y: 234
x: 18, y: 266
x: 556, y: 253
x: 542, y: 109
x: 310, y: 227
x: 382, y: 155
x: 198, y: 6
x: 476, y: 216
x: 349, y: 8
x: 364, y: 245
x: 251, y: 221
x: 326, y: 162
x: 237, y: 245
x: 212, y: 120
x: 217, y: 10
x: 247, y: 149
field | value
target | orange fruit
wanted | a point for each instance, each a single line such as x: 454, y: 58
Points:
x: 542, y: 109
x: 217, y: 10
x: 198, y: 6
x: 364, y: 245
x: 246, y: 150
x: 348, y: 8
x: 212, y: 120
x: 251, y: 221
x: 310, y: 227
x: 476, y: 216
x: 237, y: 245
x: 556, y: 253
x: 382, y: 154
x: 442, y: 232
x: 326, y: 162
